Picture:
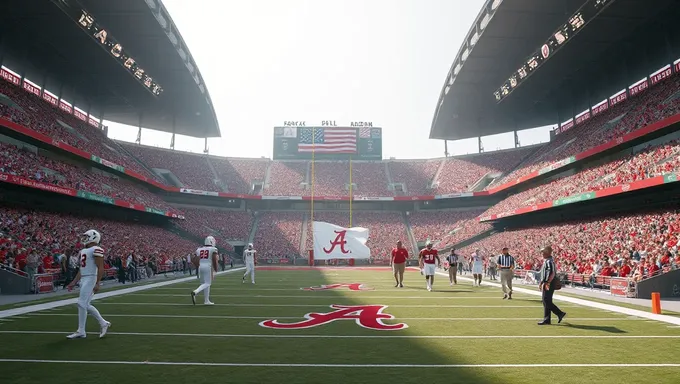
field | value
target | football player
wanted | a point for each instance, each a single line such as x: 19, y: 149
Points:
x: 427, y: 258
x: 91, y: 260
x: 249, y: 258
x: 205, y: 261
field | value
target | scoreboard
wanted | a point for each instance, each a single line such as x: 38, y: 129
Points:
x: 327, y: 143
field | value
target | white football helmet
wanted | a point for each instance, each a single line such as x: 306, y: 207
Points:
x: 91, y: 236
x: 250, y: 245
x: 210, y: 241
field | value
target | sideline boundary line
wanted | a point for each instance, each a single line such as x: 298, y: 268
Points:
x: 280, y: 336
x: 320, y: 305
x: 326, y: 297
x: 294, y: 365
x: 104, y: 295
x: 154, y: 316
x: 587, y: 303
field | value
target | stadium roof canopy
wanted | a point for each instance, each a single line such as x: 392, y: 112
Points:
x: 43, y: 41
x: 621, y: 44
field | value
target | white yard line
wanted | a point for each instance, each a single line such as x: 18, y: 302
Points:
x: 62, y: 303
x: 154, y: 304
x: 586, y: 303
x: 279, y: 336
x: 294, y: 365
x: 327, y: 297
x: 396, y: 318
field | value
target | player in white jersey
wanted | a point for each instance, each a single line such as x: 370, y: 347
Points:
x: 205, y: 261
x: 249, y: 258
x: 91, y: 260
x: 477, y: 267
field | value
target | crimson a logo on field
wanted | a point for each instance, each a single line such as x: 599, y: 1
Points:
x: 350, y: 286
x: 366, y: 316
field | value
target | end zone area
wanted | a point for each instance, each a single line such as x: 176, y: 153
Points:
x: 309, y: 325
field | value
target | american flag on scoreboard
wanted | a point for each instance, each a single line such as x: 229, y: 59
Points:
x: 328, y: 140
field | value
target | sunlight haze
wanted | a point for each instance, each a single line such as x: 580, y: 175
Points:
x: 268, y: 61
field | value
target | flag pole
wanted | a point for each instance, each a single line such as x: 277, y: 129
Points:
x: 311, y: 215
x: 351, y: 196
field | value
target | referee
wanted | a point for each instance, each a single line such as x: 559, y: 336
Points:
x: 547, y: 287
x: 506, y: 263
x: 453, y: 266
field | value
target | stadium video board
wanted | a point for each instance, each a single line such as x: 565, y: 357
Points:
x: 327, y: 143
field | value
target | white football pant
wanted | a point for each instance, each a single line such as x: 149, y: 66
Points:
x: 250, y: 268
x: 86, y: 286
x: 205, y: 274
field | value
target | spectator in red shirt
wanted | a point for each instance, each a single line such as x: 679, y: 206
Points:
x: 625, y: 269
x: 47, y: 262
x: 652, y: 268
x: 398, y: 263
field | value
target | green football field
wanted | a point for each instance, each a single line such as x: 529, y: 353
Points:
x: 377, y: 334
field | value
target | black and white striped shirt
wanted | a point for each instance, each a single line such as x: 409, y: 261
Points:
x: 547, y: 269
x: 506, y: 261
x: 453, y: 260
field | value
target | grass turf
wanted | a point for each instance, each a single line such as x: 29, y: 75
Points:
x: 160, y: 325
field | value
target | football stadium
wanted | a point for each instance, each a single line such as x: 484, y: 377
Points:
x: 298, y: 265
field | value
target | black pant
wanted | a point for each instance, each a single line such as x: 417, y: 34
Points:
x: 549, y: 306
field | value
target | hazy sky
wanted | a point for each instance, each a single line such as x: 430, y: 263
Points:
x: 266, y: 61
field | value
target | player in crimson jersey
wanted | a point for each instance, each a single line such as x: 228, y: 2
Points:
x: 205, y: 261
x: 91, y: 260
x: 426, y: 259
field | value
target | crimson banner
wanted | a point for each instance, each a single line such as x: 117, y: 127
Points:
x: 44, y: 283
x: 618, y: 286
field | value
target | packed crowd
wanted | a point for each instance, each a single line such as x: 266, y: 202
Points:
x: 223, y: 225
x: 651, y: 161
x: 460, y: 174
x: 417, y: 176
x: 32, y: 164
x: 438, y: 225
x: 278, y: 234
x: 34, y: 242
x: 635, y: 246
x: 637, y: 112
x: 239, y: 175
x: 44, y: 118
x: 286, y: 178
x: 192, y: 170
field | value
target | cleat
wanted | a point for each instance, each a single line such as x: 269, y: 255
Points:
x: 208, y: 303
x: 510, y: 296
x: 401, y: 285
x: 77, y: 335
x: 193, y: 297
x: 559, y: 318
x: 252, y: 282
x: 505, y: 296
x: 104, y: 329
x: 396, y: 285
